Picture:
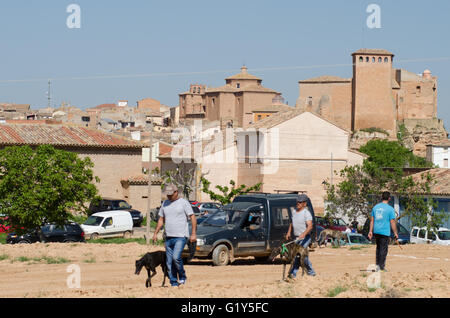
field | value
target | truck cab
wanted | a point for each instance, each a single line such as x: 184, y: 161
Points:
x: 252, y: 225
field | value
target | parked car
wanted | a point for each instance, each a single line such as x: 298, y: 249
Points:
x: 403, y: 233
x: 335, y: 224
x: 250, y: 226
x: 209, y: 207
x: 109, y: 204
x: 423, y: 236
x: 108, y: 224
x: 70, y: 232
x: 194, y: 203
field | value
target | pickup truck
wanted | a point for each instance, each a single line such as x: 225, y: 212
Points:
x: 252, y: 225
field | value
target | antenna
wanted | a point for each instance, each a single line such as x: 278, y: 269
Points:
x: 49, y: 95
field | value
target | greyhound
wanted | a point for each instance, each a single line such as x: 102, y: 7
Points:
x: 288, y: 253
x: 150, y: 261
x: 338, y: 235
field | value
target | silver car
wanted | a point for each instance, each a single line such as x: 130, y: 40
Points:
x: 209, y: 208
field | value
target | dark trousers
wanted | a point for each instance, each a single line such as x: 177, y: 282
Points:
x: 382, y: 249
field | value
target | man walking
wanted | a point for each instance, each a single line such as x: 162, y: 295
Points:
x: 302, y: 226
x: 174, y: 214
x: 381, y: 221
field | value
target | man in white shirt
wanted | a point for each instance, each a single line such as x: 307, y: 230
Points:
x: 302, y: 226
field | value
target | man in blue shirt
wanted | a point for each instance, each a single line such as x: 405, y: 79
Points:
x: 381, y: 221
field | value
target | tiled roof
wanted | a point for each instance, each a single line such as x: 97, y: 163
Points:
x: 373, y: 52
x: 250, y: 88
x: 60, y: 135
x: 244, y: 76
x: 441, y: 144
x: 326, y: 79
x: 441, y: 179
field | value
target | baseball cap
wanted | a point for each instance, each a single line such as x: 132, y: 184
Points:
x: 169, y: 189
x: 302, y: 198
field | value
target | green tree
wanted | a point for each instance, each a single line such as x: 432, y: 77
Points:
x: 392, y: 154
x: 227, y: 193
x: 362, y: 185
x: 43, y: 185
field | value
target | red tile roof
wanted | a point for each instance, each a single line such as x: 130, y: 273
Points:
x: 61, y: 135
x: 441, y: 177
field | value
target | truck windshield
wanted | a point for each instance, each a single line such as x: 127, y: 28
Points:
x: 444, y: 235
x: 223, y: 217
x: 93, y: 220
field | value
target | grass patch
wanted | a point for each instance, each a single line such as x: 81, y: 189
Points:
x: 3, y: 238
x: 35, y: 260
x: 371, y: 290
x: 22, y: 259
x: 355, y: 248
x: 336, y: 291
x: 90, y: 261
x: 3, y: 257
x: 375, y: 129
x: 57, y: 260
x: 141, y: 241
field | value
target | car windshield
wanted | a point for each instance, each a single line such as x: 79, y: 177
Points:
x: 444, y: 235
x: 117, y: 205
x: 93, y: 220
x: 339, y: 222
x: 358, y: 239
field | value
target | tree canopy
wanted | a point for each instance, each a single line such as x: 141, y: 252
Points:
x: 43, y: 185
x: 227, y: 194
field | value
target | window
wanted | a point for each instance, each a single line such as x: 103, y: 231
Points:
x: 259, y: 117
x: 386, y: 60
x: 380, y: 60
x: 418, y: 90
x: 431, y: 236
x: 422, y: 233
x: 238, y: 85
x: 108, y: 222
x: 373, y: 60
x: 280, y: 216
x: 310, y: 101
x: 361, y: 59
x: 367, y: 59
x: 445, y: 163
x: 414, y: 232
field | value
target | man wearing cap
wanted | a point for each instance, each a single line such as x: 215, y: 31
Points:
x: 174, y: 214
x: 302, y: 226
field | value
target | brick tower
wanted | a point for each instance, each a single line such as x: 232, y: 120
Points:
x: 373, y: 103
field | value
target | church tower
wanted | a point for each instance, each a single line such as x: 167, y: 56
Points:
x: 373, y: 103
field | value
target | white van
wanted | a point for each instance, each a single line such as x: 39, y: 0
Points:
x: 423, y: 236
x: 108, y: 224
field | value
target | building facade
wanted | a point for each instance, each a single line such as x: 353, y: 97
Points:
x: 378, y: 95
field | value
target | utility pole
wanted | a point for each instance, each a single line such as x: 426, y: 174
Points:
x: 149, y: 198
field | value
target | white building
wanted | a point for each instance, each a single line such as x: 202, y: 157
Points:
x: 439, y: 154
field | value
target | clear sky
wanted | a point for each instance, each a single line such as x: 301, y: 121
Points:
x: 280, y: 41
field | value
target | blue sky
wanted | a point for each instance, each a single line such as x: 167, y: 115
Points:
x: 211, y: 37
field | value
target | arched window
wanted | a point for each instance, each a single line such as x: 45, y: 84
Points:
x: 380, y: 60
x: 373, y: 59
x: 361, y: 59
x: 386, y: 60
x: 367, y: 59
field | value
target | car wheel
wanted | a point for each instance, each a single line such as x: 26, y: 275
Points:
x: 127, y: 235
x: 94, y: 236
x: 23, y: 242
x: 221, y: 255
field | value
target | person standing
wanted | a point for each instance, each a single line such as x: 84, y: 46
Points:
x: 173, y: 215
x: 381, y: 221
x: 302, y: 226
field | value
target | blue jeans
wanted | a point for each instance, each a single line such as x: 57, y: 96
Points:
x: 305, y: 243
x: 174, y: 248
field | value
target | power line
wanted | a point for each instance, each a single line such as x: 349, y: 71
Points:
x: 287, y: 68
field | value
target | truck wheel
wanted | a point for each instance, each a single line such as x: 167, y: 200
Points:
x: 221, y: 256
x: 94, y: 236
x: 127, y: 235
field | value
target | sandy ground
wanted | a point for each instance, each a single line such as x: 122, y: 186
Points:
x: 108, y: 271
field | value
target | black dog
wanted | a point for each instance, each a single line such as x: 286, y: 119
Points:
x: 150, y: 261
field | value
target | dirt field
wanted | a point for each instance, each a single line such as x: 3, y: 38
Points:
x: 40, y: 270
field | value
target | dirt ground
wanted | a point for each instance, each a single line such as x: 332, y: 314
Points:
x: 108, y: 271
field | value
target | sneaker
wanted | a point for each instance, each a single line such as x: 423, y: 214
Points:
x: 311, y: 274
x: 182, y: 282
x: 291, y: 276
